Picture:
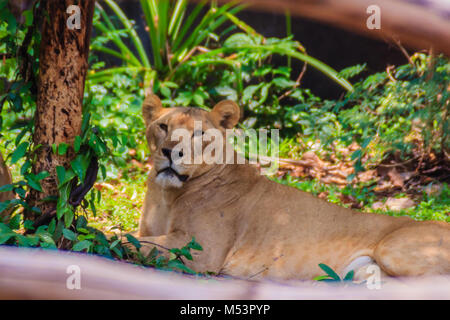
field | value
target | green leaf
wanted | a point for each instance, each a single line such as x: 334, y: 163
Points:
x: 19, y: 152
x: 58, y: 230
x: 352, y: 71
x: 7, y: 187
x: 4, y: 237
x: 68, y: 177
x: 185, y: 252
x: 283, y: 82
x: 46, y: 238
x: 118, y: 252
x: 321, y: 278
x: 79, y: 166
x: 14, y: 222
x: 62, y: 148
x: 68, y: 218
x: 4, y: 205
x: 83, y: 230
x: 198, y: 99
x: 42, y: 175
x: 27, y: 241
x: 82, y: 245
x: 51, y: 226
x: 33, y: 182
x: 28, y: 225
x: 93, y: 208
x: 103, y: 170
x: 114, y: 244
x: 69, y: 235
x: 238, y: 40
x: 356, y: 154
x: 250, y: 91
x: 101, y: 238
x: 165, y: 91
x: 81, y: 223
x: 61, y: 174
x: 85, y: 124
x: 329, y: 272
x: 349, y: 276
x: 177, y: 264
x: 195, y: 245
x: 28, y: 14
x: 61, y: 206
x: 25, y: 167
x: 77, y: 144
x: 135, y: 242
x: 21, y: 192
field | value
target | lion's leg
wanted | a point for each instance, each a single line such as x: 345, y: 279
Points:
x: 415, y: 250
x: 364, y: 267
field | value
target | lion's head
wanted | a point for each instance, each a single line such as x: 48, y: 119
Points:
x: 172, y: 131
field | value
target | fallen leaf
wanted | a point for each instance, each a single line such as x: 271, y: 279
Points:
x: 383, y: 185
x: 379, y: 205
x: 397, y: 204
x: 396, y: 178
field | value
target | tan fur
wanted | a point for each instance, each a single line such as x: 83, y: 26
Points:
x: 252, y: 227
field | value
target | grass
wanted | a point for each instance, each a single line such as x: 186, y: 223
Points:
x: 429, y: 207
x: 122, y: 200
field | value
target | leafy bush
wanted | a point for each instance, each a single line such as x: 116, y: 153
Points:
x: 402, y: 111
x: 194, y: 64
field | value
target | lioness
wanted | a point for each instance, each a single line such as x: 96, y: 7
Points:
x: 252, y: 227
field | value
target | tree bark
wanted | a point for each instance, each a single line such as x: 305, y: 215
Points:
x: 63, y: 66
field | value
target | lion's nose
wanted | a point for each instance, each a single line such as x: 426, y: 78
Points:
x: 168, y: 153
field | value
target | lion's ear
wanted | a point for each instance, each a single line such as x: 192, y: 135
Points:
x: 227, y: 113
x: 151, y: 108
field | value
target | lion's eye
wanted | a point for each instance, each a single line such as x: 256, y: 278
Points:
x: 163, y: 126
x: 198, y: 133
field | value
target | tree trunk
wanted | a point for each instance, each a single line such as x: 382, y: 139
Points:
x: 62, y: 71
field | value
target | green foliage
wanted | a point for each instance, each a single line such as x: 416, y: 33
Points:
x: 193, y: 65
x: 173, y: 38
x: 332, y: 276
x: 115, y: 108
x: 429, y: 207
x: 401, y: 111
x: 176, y: 255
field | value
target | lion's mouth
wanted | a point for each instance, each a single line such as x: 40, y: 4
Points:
x: 170, y: 171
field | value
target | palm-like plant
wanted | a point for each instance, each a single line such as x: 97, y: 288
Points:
x: 173, y: 38
x: 177, y: 38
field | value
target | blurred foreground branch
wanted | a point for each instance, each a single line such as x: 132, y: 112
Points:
x: 415, y: 23
x: 40, y: 274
